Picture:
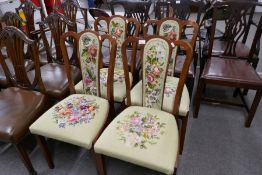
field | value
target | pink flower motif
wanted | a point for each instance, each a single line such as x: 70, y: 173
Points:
x: 88, y: 81
x: 92, y: 50
x: 117, y: 32
x: 136, y: 121
x: 156, y: 70
x: 150, y: 78
x: 171, y: 35
x: 167, y: 90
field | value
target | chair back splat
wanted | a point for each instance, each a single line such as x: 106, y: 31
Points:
x: 28, y: 9
x: 70, y: 8
x: 12, y: 19
x: 9, y: 37
x: 135, y: 9
x: 57, y: 24
x: 156, y: 55
x: 236, y: 24
x: 89, y: 45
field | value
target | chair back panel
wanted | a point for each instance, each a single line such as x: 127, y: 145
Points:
x: 89, y: 49
x: 14, y: 40
x: 28, y: 8
x: 235, y: 16
x: 12, y: 19
x: 69, y: 9
x: 136, y: 9
x: 171, y: 29
x: 57, y: 24
x: 89, y: 44
x: 156, y: 55
x: 118, y: 29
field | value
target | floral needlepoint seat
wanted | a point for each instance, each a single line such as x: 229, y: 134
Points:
x: 146, y: 135
x: 140, y: 135
x: 71, y: 117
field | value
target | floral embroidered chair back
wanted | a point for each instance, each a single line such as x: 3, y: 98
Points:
x: 89, y: 55
x: 156, y: 56
x: 120, y: 28
x: 171, y: 29
x: 89, y: 47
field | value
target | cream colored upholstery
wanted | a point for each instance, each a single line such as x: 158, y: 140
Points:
x: 80, y: 133
x: 119, y: 86
x: 160, y: 156
x: 168, y: 101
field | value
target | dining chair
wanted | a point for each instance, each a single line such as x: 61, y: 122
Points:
x: 20, y: 104
x: 230, y: 69
x: 11, y: 19
x: 28, y: 9
x: 53, y: 72
x: 135, y: 9
x: 219, y: 41
x: 117, y: 27
x: 80, y: 118
x: 96, y: 12
x: 146, y: 135
x: 70, y: 9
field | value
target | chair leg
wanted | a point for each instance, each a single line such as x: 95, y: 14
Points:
x: 190, y: 85
x: 236, y: 91
x: 174, y: 172
x: 183, y: 132
x: 44, y: 148
x: 199, y: 92
x: 100, y: 164
x: 253, y: 108
x: 25, y: 158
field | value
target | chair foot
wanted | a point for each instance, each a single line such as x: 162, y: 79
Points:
x: 25, y: 158
x: 44, y: 148
x: 183, y: 132
x: 100, y: 164
x: 175, y: 171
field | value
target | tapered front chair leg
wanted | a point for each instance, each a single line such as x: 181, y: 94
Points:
x: 199, y: 92
x: 44, y: 148
x: 183, y: 132
x: 25, y: 158
x: 100, y: 164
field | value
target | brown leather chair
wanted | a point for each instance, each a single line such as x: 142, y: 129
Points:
x: 11, y: 19
x: 20, y: 105
x: 54, y: 74
x: 230, y: 69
